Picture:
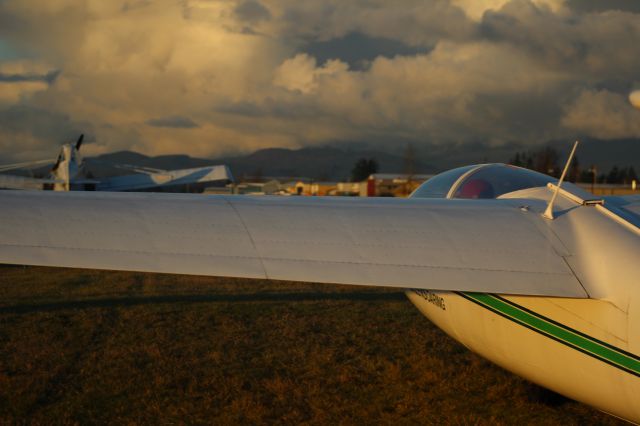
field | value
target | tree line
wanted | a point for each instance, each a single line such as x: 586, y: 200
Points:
x: 547, y: 160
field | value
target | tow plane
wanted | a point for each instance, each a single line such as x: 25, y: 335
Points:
x: 549, y: 291
x: 69, y: 173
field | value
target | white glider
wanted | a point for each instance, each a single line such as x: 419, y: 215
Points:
x: 68, y: 174
x: 556, y: 301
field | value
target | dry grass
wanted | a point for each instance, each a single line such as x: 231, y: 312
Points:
x: 81, y: 346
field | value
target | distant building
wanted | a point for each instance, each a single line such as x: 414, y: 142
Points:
x: 313, y: 188
x: 611, y: 189
x: 393, y: 185
x: 271, y: 187
x: 378, y: 185
x: 352, y: 189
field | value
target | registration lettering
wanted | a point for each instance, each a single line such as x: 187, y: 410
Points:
x: 432, y: 298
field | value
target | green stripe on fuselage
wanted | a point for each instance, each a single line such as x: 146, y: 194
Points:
x: 558, y: 332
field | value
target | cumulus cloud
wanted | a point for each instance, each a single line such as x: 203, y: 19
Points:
x: 301, y: 74
x: 476, y: 9
x: 604, y: 115
x: 431, y: 95
x: 202, y: 77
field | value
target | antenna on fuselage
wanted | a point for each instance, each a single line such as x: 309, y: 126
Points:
x: 548, y: 213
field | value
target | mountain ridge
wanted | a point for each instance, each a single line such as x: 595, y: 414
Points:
x: 335, y: 163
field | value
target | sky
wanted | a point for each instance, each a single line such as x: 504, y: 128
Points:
x: 216, y: 77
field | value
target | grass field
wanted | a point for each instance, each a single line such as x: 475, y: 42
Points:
x: 80, y: 346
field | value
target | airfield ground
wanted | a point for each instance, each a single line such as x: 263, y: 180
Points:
x: 110, y: 347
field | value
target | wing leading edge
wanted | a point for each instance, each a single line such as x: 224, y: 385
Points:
x: 486, y: 246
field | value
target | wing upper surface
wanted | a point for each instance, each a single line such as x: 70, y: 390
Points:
x: 488, y: 246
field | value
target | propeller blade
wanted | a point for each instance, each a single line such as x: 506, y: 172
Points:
x: 55, y: 166
x: 79, y: 143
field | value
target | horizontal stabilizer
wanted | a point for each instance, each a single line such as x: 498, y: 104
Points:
x: 21, y: 182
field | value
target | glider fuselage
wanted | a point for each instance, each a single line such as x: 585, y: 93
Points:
x: 585, y: 349
x: 565, y: 345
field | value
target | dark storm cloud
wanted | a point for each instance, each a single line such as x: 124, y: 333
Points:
x: 604, y: 5
x: 536, y: 111
x: 36, y: 121
x: 48, y: 78
x: 252, y: 11
x: 414, y: 23
x: 175, y: 121
x: 596, y: 47
x: 520, y: 24
x: 28, y: 29
x: 358, y: 49
x: 31, y: 129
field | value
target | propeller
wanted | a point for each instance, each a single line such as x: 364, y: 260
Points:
x: 79, y: 142
x: 78, y: 145
x: 55, y: 166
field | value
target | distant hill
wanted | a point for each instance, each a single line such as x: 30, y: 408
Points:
x: 336, y: 162
x: 317, y: 163
x: 604, y: 154
x: 325, y: 163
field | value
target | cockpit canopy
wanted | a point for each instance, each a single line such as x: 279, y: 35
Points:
x: 481, y: 181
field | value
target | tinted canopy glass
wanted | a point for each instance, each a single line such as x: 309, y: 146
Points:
x: 494, y: 180
x: 486, y: 181
x: 439, y: 185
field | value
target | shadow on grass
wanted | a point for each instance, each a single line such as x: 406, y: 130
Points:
x: 199, y: 298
